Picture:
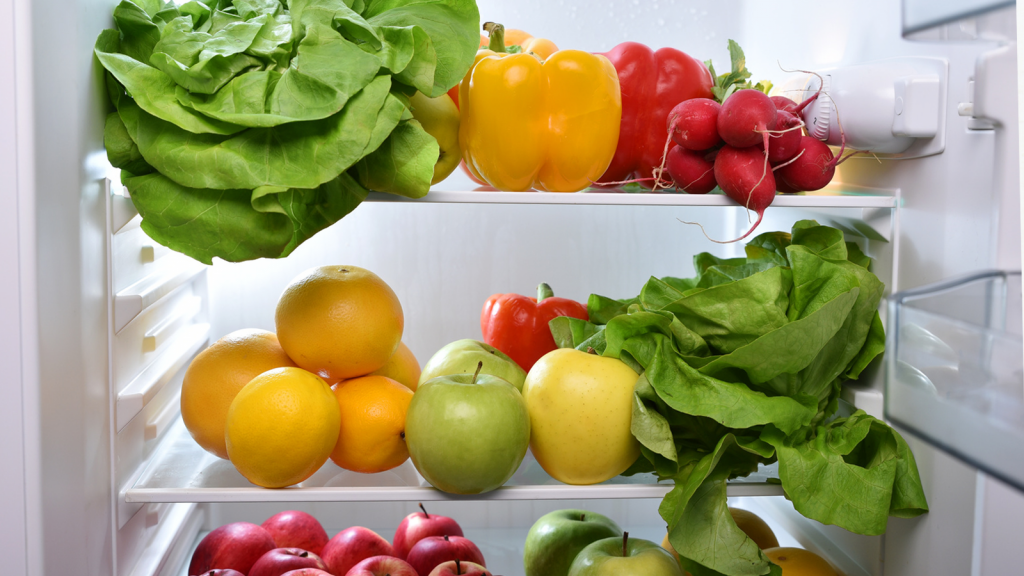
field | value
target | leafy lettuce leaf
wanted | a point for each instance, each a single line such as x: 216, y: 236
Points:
x: 742, y: 365
x: 243, y: 127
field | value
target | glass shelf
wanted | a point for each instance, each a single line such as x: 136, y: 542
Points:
x: 181, y: 471
x: 833, y: 196
x: 955, y: 370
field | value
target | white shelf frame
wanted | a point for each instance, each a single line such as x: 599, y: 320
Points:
x: 828, y: 198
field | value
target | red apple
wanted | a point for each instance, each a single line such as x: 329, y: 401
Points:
x: 459, y: 568
x: 296, y: 529
x: 225, y: 572
x: 281, y: 560
x: 419, y: 525
x: 237, y: 546
x: 351, y: 546
x: 434, y: 550
x: 382, y: 566
x: 307, y: 572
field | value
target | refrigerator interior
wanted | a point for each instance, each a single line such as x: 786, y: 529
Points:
x: 93, y: 413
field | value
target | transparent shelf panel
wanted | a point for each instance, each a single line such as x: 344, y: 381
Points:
x: 955, y: 370
x: 181, y: 471
x: 833, y: 196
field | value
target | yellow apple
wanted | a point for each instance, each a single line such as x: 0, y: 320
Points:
x: 580, y: 409
x: 440, y: 118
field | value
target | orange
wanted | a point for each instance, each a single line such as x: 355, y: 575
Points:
x: 372, y: 435
x: 402, y: 367
x: 800, y: 562
x: 282, y: 427
x: 217, y: 374
x: 755, y: 528
x: 339, y: 321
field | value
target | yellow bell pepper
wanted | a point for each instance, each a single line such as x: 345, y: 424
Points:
x: 526, y: 123
x: 540, y: 46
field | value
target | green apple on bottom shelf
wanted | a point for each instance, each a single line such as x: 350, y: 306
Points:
x: 467, y: 433
x: 462, y: 356
x: 581, y: 407
x: 557, y: 537
x: 439, y: 118
x: 624, y: 556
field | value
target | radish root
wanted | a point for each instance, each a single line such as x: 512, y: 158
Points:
x: 788, y: 162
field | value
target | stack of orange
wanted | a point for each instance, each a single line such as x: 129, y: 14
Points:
x: 265, y: 400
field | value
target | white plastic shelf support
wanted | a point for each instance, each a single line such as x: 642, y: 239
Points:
x: 166, y: 329
x: 131, y: 301
x: 181, y: 471
x: 151, y: 379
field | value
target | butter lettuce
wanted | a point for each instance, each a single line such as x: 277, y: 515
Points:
x: 243, y: 127
x: 742, y: 365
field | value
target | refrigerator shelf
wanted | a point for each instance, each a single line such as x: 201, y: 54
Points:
x: 181, y: 471
x: 955, y: 372
x: 829, y: 197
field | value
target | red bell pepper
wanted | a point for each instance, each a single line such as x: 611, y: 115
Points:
x: 518, y: 325
x: 651, y: 83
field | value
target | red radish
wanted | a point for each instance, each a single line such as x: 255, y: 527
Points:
x: 811, y: 171
x: 783, y: 103
x: 690, y: 170
x: 745, y: 119
x: 781, y: 186
x: 784, y: 141
x: 742, y: 176
x: 693, y: 123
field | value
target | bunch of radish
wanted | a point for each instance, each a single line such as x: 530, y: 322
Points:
x: 764, y: 149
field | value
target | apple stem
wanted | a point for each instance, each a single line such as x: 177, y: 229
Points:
x: 304, y: 554
x: 425, y: 515
x: 590, y: 350
x: 582, y: 516
x: 544, y: 291
x: 625, y: 537
x: 458, y: 567
x: 479, y: 367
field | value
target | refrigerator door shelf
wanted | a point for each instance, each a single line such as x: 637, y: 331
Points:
x: 181, y: 471
x: 954, y: 370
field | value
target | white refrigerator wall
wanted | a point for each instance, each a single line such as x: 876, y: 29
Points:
x: 442, y: 260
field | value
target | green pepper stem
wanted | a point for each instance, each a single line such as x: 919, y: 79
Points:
x: 497, y: 34
x: 544, y: 291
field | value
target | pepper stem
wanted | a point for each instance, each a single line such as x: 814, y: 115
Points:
x: 625, y: 537
x: 497, y: 34
x: 479, y: 367
x: 544, y: 291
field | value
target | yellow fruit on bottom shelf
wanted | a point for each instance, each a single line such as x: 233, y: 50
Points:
x: 800, y: 562
x: 282, y: 427
x: 580, y: 407
x: 372, y: 433
x: 216, y: 375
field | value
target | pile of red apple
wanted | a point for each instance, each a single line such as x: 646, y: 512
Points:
x: 293, y: 543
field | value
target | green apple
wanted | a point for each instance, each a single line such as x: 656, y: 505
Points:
x: 462, y: 356
x: 467, y: 433
x: 440, y: 118
x: 623, y: 556
x: 581, y: 407
x: 557, y: 537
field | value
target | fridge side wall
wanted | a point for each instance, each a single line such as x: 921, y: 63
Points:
x: 14, y: 544
x: 68, y: 403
